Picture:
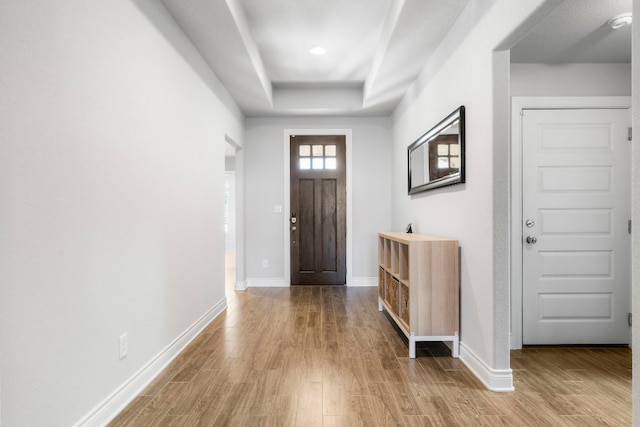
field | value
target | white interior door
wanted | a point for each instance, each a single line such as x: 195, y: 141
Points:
x: 576, y: 243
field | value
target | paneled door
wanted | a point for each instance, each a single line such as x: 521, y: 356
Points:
x: 576, y: 241
x: 317, y: 219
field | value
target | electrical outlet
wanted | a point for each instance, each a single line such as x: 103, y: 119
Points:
x: 124, y: 346
x: 265, y: 263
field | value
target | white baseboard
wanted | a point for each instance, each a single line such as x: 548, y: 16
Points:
x: 500, y: 380
x: 241, y: 286
x: 110, y: 407
x: 257, y: 282
x: 363, y: 282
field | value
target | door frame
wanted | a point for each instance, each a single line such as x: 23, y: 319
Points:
x: 287, y: 195
x: 517, y: 105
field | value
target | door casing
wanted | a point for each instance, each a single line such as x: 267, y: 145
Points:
x: 517, y: 105
x: 287, y: 191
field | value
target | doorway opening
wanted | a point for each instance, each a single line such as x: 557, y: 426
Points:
x: 229, y: 220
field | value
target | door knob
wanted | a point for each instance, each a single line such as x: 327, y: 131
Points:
x: 531, y: 240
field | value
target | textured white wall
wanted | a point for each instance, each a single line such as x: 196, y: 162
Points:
x: 264, y: 175
x: 570, y: 79
x: 111, y: 189
x: 635, y: 209
x: 467, y: 71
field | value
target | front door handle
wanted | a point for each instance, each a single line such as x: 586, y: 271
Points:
x: 531, y: 240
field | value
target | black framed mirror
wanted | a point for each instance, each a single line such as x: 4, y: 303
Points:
x: 436, y: 159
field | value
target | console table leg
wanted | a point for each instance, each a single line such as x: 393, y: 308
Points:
x: 456, y: 346
x: 412, y: 348
x: 380, y: 308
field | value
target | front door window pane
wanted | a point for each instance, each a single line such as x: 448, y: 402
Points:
x: 317, y: 156
x: 317, y: 151
x: 305, y: 150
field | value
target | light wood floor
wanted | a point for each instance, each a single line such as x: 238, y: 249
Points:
x: 324, y: 356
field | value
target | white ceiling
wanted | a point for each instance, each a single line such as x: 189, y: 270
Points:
x: 285, y: 30
x: 577, y: 32
x: 375, y: 48
x: 260, y: 50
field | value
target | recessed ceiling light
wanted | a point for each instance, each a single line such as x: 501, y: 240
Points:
x: 318, y: 50
x: 620, y: 21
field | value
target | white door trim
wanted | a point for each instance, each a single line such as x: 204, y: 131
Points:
x: 517, y: 105
x: 287, y: 201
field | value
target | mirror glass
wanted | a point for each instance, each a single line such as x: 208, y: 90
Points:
x: 436, y: 158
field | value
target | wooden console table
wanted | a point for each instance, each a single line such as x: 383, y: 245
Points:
x: 418, y: 285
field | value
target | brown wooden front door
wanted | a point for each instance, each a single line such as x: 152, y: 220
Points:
x: 318, y: 210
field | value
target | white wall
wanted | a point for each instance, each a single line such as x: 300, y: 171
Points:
x: 111, y: 190
x: 467, y: 71
x: 635, y: 209
x: 264, y: 189
x: 570, y: 79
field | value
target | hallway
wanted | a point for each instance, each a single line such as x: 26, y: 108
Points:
x: 324, y: 356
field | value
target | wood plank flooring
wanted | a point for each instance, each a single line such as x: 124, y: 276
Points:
x: 324, y: 356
